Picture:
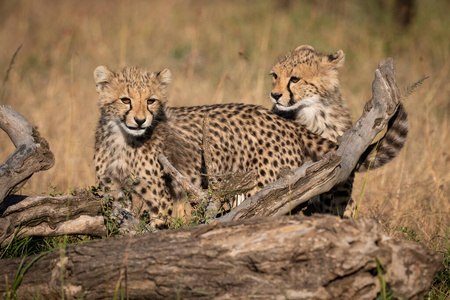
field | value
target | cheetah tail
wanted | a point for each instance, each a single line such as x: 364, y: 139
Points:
x: 390, y: 144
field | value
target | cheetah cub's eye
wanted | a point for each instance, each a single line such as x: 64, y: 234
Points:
x: 275, y: 76
x: 150, y: 101
x: 125, y: 100
x: 295, y: 79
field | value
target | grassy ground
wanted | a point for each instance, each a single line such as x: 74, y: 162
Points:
x: 222, y: 51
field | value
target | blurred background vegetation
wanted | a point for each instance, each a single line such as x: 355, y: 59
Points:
x: 222, y: 51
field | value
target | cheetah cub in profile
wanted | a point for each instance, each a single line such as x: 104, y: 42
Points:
x: 305, y: 89
x: 136, y: 126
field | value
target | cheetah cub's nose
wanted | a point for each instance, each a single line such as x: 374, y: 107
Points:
x: 139, y: 121
x: 275, y: 96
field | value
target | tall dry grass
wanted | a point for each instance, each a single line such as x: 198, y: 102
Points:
x: 222, y: 51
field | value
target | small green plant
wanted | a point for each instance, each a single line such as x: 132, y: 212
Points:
x: 409, y: 234
x: 111, y: 223
x: 440, y: 288
x: 200, y: 214
x: 12, y: 293
x: 175, y: 222
x: 54, y: 193
x: 385, y: 292
x: 20, y: 246
x: 365, y: 179
x: 73, y: 191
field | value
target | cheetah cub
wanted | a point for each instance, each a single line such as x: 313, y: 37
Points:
x: 136, y: 125
x: 305, y: 89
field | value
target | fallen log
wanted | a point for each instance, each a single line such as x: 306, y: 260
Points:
x: 268, y: 258
x: 23, y: 216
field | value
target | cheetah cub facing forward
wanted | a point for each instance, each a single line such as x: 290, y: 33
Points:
x: 136, y: 126
x: 305, y: 89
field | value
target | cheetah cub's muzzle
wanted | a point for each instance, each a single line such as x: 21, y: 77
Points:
x: 131, y: 123
x: 293, y: 105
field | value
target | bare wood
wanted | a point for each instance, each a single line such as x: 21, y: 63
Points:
x: 32, y: 152
x: 313, y: 179
x: 265, y: 258
x: 178, y: 177
x: 50, y: 216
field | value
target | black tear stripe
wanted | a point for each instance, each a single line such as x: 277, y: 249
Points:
x: 126, y: 114
x: 291, y: 96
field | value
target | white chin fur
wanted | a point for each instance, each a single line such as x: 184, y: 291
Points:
x: 310, y: 101
x: 133, y: 132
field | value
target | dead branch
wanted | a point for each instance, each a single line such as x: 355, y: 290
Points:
x: 266, y: 258
x: 198, y: 196
x: 32, y: 152
x: 178, y: 177
x: 50, y: 216
x: 206, y: 147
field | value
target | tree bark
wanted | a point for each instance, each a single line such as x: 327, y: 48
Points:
x: 267, y: 258
x: 50, y: 216
x: 32, y: 152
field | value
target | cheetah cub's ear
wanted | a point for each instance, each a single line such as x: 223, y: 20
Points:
x: 337, y: 58
x: 304, y: 47
x: 102, y: 76
x: 164, y: 76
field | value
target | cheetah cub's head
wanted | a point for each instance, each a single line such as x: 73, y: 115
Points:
x: 304, y: 78
x: 131, y: 98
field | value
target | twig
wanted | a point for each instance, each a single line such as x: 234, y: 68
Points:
x: 197, y: 195
x: 11, y: 63
x: 178, y: 177
x: 206, y: 148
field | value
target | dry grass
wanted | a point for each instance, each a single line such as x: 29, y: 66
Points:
x: 222, y: 52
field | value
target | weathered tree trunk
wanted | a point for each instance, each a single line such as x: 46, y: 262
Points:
x: 267, y: 258
x: 32, y: 152
x: 51, y: 216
